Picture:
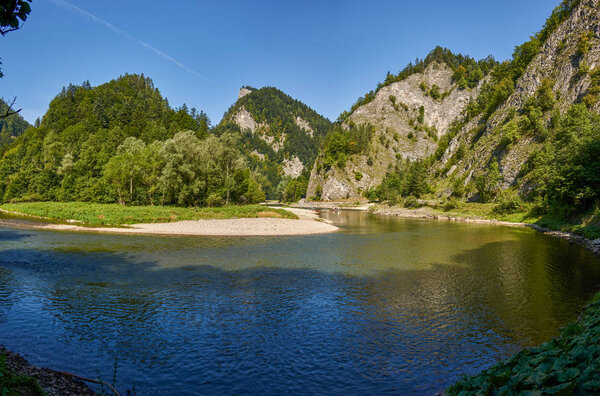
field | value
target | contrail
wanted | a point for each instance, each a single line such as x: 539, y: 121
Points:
x: 74, y: 8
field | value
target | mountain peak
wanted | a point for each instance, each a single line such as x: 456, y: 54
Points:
x: 243, y: 92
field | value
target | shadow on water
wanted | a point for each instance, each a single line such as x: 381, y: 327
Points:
x: 201, y: 326
x: 9, y: 235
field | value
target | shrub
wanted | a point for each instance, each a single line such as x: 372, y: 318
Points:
x: 214, y: 200
x: 451, y: 203
x: 357, y: 175
x: 411, y: 202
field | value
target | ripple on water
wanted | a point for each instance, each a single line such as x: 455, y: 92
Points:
x: 384, y: 306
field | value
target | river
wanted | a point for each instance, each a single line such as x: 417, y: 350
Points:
x: 385, y: 305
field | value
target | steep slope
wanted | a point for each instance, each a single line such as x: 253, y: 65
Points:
x: 10, y: 127
x: 280, y: 135
x: 407, y: 115
x: 564, y: 70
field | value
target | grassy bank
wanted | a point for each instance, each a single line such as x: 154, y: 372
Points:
x: 585, y: 225
x: 93, y: 214
x: 12, y: 384
x: 567, y: 365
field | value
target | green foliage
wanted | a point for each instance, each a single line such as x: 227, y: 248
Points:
x: 121, y: 142
x: 568, y: 167
x: 593, y: 94
x: 10, y: 127
x: 94, y: 214
x: 294, y: 189
x: 319, y: 192
x: 510, y: 133
x: 358, y: 175
x: 279, y: 113
x: 14, y: 385
x: 435, y: 92
x: 408, y: 179
x: 343, y: 142
x: 421, y: 116
x: 584, y: 43
x: 487, y: 183
x: 566, y: 365
x: 451, y: 204
x: 508, y: 201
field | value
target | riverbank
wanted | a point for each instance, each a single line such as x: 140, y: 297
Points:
x: 251, y: 220
x: 567, y: 365
x: 18, y: 377
x: 484, y: 214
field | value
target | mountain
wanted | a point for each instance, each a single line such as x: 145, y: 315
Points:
x: 557, y: 69
x: 405, y: 117
x: 10, y: 127
x: 280, y: 135
x: 526, y: 128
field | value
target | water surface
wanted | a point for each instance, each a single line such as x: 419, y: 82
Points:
x: 386, y: 305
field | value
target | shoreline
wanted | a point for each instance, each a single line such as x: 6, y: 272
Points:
x: 52, y: 382
x: 592, y: 245
x: 307, y: 224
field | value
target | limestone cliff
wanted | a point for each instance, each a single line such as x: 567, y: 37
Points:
x: 563, y: 68
x: 408, y: 117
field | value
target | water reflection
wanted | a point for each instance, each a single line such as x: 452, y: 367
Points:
x: 386, y: 305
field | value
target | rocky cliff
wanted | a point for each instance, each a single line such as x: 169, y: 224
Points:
x: 408, y: 118
x: 561, y: 74
x: 502, y: 117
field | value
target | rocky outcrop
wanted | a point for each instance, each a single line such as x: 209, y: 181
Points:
x: 293, y: 167
x: 302, y: 123
x: 408, y: 121
x: 560, y: 63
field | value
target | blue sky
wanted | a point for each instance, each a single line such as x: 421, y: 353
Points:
x: 324, y: 53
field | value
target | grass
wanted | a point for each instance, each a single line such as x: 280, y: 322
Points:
x: 94, y: 214
x: 567, y: 365
x: 17, y: 385
x: 586, y: 225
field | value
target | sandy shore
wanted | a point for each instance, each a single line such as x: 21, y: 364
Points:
x: 306, y: 225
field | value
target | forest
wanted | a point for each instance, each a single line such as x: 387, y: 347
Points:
x: 122, y: 142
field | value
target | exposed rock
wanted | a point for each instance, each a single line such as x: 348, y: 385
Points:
x: 302, y: 123
x: 293, y: 167
x: 394, y: 113
x: 245, y: 120
x: 243, y: 92
x: 259, y: 155
x: 558, y: 61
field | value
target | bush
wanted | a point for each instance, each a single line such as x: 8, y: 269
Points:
x: 508, y: 202
x: 358, y: 176
x: 411, y: 202
x: 451, y: 203
x: 214, y: 200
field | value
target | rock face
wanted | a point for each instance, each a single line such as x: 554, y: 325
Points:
x: 293, y: 167
x: 558, y: 63
x: 243, y: 92
x: 401, y: 132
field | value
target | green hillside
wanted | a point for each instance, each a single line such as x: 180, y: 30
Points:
x: 278, y: 136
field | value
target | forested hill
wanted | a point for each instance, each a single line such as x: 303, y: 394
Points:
x: 10, y: 127
x: 121, y: 141
x: 524, y: 132
x: 280, y: 135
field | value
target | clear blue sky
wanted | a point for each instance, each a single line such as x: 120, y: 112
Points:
x: 325, y: 53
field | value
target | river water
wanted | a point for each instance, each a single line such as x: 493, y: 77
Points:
x: 385, y: 305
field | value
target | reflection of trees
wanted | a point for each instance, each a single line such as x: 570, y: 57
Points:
x: 417, y: 302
